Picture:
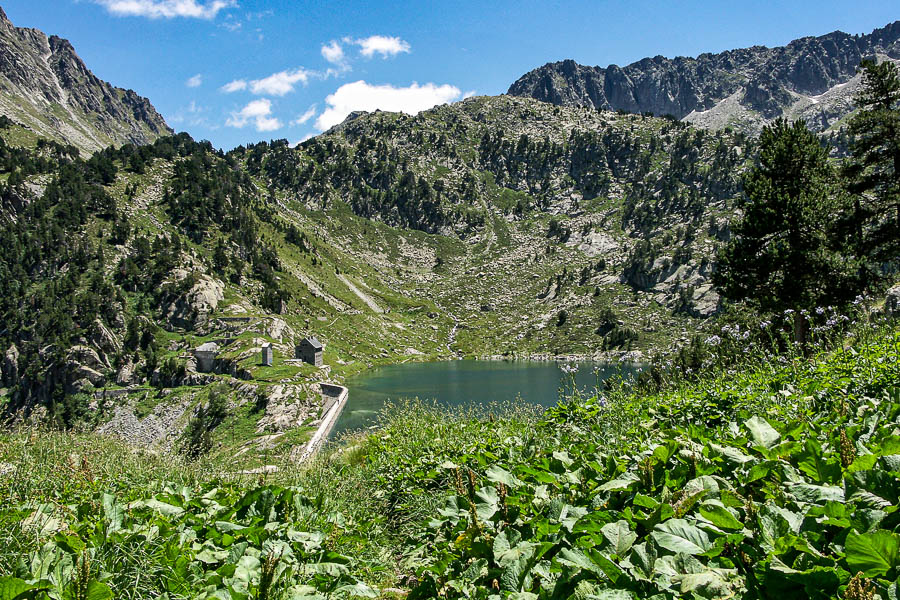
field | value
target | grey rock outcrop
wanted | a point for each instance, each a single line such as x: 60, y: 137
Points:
x: 748, y: 86
x: 892, y: 302
x: 194, y: 307
x: 127, y: 374
x: 10, y: 370
x: 45, y: 86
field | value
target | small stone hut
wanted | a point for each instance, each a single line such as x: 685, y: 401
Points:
x: 267, y: 354
x: 205, y: 355
x: 309, y: 350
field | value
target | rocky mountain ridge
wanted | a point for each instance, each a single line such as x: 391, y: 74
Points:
x: 813, y: 78
x: 45, y: 86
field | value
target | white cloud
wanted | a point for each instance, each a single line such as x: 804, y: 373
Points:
x: 469, y: 94
x: 155, y: 9
x: 279, y: 84
x: 235, y: 86
x: 381, y: 44
x: 360, y: 95
x: 333, y: 52
x: 267, y: 124
x: 259, y: 112
x: 302, y: 119
x: 195, y: 81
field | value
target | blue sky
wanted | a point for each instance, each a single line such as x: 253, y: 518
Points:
x: 239, y: 71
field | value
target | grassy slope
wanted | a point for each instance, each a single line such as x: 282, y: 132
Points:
x: 779, y: 478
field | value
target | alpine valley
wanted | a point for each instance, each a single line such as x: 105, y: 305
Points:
x: 177, y: 321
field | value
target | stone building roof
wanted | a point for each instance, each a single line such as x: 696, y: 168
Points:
x: 313, y: 342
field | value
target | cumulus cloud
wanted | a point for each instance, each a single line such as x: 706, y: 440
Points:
x: 258, y: 112
x: 195, y: 81
x: 279, y: 84
x: 360, y: 95
x: 168, y: 9
x: 469, y: 94
x: 381, y: 44
x: 333, y: 52
x: 235, y: 86
x: 302, y: 119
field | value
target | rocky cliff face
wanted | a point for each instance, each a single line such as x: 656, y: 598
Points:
x: 45, y: 86
x: 811, y: 78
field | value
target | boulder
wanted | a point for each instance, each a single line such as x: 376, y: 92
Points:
x: 96, y: 378
x: 126, y: 375
x: 85, y: 356
x: 276, y: 329
x: 705, y: 302
x: 195, y: 306
x: 107, y: 341
x: 892, y: 302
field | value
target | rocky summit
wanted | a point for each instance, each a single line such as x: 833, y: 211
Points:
x: 812, y: 78
x: 46, y: 87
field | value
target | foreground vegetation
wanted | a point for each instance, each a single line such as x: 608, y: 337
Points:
x: 780, y: 476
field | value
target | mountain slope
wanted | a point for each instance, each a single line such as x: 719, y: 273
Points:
x: 494, y: 226
x: 812, y: 78
x: 45, y: 86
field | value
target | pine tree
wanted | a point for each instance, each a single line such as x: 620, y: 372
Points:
x: 874, y: 170
x: 781, y: 257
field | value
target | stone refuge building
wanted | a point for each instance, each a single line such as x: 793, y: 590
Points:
x: 267, y: 354
x: 205, y: 355
x: 309, y: 350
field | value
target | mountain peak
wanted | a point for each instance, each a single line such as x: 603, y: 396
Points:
x: 747, y: 87
x: 45, y: 86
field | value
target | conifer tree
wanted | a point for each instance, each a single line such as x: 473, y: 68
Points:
x: 781, y: 257
x: 874, y: 170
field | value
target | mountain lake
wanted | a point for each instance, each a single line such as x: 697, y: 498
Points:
x: 464, y: 382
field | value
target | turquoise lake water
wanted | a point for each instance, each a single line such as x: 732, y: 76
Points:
x: 461, y: 382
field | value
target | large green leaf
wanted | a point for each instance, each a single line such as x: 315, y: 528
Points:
x: 506, y: 539
x: 624, y: 481
x: 13, y: 588
x: 762, y: 433
x: 708, y: 584
x: 874, y: 553
x: 816, y: 494
x: 677, y: 535
x: 487, y: 502
x: 499, y: 475
x: 114, y: 512
x: 514, y: 564
x: 642, y: 561
x: 619, y: 536
x: 814, y: 463
x: 162, y: 507
x: 357, y: 590
x: 719, y: 516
